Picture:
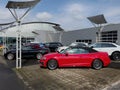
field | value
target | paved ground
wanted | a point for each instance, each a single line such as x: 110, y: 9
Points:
x: 8, y: 78
x: 69, y: 78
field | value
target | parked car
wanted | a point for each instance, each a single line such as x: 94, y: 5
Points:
x: 38, y: 45
x: 112, y: 49
x: 33, y: 45
x: 74, y: 44
x: 27, y: 52
x: 59, y: 49
x: 11, y: 46
x: 75, y: 57
x: 53, y: 46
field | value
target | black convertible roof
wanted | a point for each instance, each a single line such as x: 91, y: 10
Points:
x: 87, y: 48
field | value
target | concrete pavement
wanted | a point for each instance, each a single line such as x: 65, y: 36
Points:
x: 60, y: 79
x: 8, y: 78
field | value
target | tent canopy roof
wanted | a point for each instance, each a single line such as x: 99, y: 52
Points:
x: 31, y: 27
x: 4, y: 24
x: 21, y: 5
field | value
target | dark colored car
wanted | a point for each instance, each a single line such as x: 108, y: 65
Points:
x: 53, y: 46
x: 38, y: 45
x: 27, y: 52
x: 75, y: 57
x: 11, y: 46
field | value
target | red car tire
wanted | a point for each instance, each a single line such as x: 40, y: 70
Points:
x: 97, y: 64
x: 52, y: 64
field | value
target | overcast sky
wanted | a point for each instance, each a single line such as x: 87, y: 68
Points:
x: 70, y: 14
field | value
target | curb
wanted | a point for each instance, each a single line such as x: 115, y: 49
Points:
x: 19, y: 74
x: 109, y: 87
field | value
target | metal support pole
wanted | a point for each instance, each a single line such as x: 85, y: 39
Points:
x: 17, y: 51
x: 4, y: 43
x: 99, y: 33
x: 19, y: 5
x: 18, y: 47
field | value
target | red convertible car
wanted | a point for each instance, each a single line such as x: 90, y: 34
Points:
x: 75, y: 57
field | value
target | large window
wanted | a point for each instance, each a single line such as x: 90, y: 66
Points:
x: 103, y: 45
x: 27, y: 40
x: 109, y: 36
x: 85, y: 40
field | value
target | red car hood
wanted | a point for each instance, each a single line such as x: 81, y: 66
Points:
x: 52, y: 54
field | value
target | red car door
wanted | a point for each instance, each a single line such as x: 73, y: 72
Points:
x: 85, y: 59
x: 76, y: 57
x: 69, y: 59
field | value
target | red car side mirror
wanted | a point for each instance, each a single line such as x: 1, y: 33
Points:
x: 66, y: 54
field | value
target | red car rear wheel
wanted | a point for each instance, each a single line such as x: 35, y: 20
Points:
x: 97, y: 64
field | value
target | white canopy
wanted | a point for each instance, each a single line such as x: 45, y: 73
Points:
x: 29, y: 29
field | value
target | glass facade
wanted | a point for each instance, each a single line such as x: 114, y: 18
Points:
x: 109, y: 36
x: 85, y: 40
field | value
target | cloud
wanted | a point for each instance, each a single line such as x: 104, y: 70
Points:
x: 44, y: 16
x: 4, y: 15
x: 73, y: 16
x: 75, y: 10
x: 112, y: 12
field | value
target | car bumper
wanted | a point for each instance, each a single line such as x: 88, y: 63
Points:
x: 42, y: 63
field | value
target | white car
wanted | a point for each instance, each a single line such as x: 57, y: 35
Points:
x: 112, y: 49
x: 59, y: 49
x: 82, y: 44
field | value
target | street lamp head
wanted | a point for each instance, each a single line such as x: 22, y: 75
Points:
x: 21, y: 5
x: 98, y: 19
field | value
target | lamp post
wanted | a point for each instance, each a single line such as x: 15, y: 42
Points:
x: 97, y: 22
x: 13, y: 6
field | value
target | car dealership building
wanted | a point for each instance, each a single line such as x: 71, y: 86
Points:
x: 110, y: 33
x: 52, y: 32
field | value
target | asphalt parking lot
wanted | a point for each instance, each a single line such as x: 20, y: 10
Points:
x: 67, y: 78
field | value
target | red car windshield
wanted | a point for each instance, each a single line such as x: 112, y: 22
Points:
x: 78, y: 50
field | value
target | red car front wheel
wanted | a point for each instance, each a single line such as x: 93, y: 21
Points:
x: 52, y: 64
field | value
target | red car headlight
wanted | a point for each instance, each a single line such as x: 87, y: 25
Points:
x: 44, y: 58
